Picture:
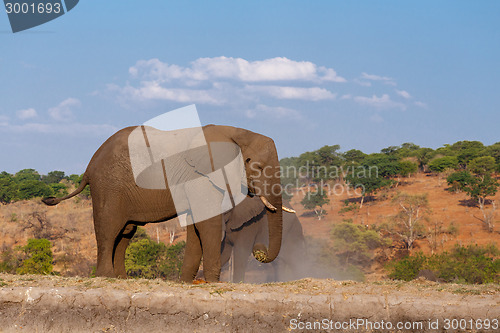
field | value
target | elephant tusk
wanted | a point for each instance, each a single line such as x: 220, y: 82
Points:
x: 286, y: 209
x: 267, y: 204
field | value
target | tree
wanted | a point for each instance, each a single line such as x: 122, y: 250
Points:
x: 412, y: 211
x: 329, y: 155
x: 423, y: 155
x: 369, y: 183
x: 407, y: 168
x: 391, y: 150
x: 8, y: 188
x: 386, y: 165
x: 39, y: 257
x: 443, y: 163
x: 479, y: 188
x: 482, y: 165
x: 459, y: 180
x: 353, y: 243
x: 53, y: 177
x: 27, y: 174
x: 33, y: 188
x: 312, y: 200
x: 354, y: 156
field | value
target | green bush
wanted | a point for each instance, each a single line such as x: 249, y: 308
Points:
x: 8, y: 188
x: 443, y: 163
x: 472, y: 264
x: 38, y: 257
x: 145, y: 258
x: 407, y: 268
x: 459, y: 180
x: 354, y: 244
x: 34, y: 188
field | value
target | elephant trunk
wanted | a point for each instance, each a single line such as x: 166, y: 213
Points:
x: 272, y: 195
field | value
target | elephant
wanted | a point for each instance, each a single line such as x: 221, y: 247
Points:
x: 120, y: 205
x: 247, y: 225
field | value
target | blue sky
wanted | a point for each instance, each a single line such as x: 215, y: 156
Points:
x: 362, y: 74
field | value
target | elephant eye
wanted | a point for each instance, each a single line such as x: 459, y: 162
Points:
x: 248, y: 160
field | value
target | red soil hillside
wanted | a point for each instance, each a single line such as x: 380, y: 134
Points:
x: 445, y: 208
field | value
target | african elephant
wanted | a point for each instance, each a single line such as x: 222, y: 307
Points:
x: 119, y: 204
x: 247, y: 225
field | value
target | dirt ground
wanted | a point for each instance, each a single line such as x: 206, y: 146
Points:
x: 33, y: 303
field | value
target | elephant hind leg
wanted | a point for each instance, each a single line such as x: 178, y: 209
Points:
x: 192, y: 255
x: 107, y: 230
x: 120, y: 248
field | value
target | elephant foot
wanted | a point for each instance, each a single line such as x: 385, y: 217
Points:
x: 199, y: 281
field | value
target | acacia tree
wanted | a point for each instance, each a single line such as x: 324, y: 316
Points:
x: 368, y: 183
x: 479, y: 186
x: 413, y: 209
x: 315, y: 201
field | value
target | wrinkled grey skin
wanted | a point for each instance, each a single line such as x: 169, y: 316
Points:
x: 247, y: 225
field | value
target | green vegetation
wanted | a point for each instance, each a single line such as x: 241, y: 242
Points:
x: 315, y: 201
x: 367, y: 183
x: 479, y: 186
x: 443, y: 163
x: 145, y: 258
x: 28, y: 183
x: 472, y: 264
x: 38, y: 257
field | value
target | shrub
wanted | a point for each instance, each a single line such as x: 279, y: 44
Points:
x: 145, y: 258
x: 33, y: 188
x: 38, y: 257
x: 407, y: 268
x: 354, y: 243
x: 443, y: 163
x: 459, y: 180
x: 472, y: 264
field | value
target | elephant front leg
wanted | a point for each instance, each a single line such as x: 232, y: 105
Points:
x: 241, y: 252
x: 192, y: 255
x: 210, y: 234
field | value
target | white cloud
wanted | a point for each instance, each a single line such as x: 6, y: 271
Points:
x: 273, y: 111
x: 63, y: 111
x: 26, y: 113
x: 227, y: 68
x: 363, y: 83
x: 421, y: 104
x: 279, y: 92
x: 384, y: 79
x: 346, y: 96
x: 152, y: 90
x: 71, y: 129
x: 383, y: 102
x: 403, y: 94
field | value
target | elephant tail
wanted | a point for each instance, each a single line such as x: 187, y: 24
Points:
x: 52, y: 201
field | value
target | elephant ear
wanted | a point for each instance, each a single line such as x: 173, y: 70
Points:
x: 249, y: 211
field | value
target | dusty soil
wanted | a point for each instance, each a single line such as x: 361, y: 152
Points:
x: 56, y: 304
